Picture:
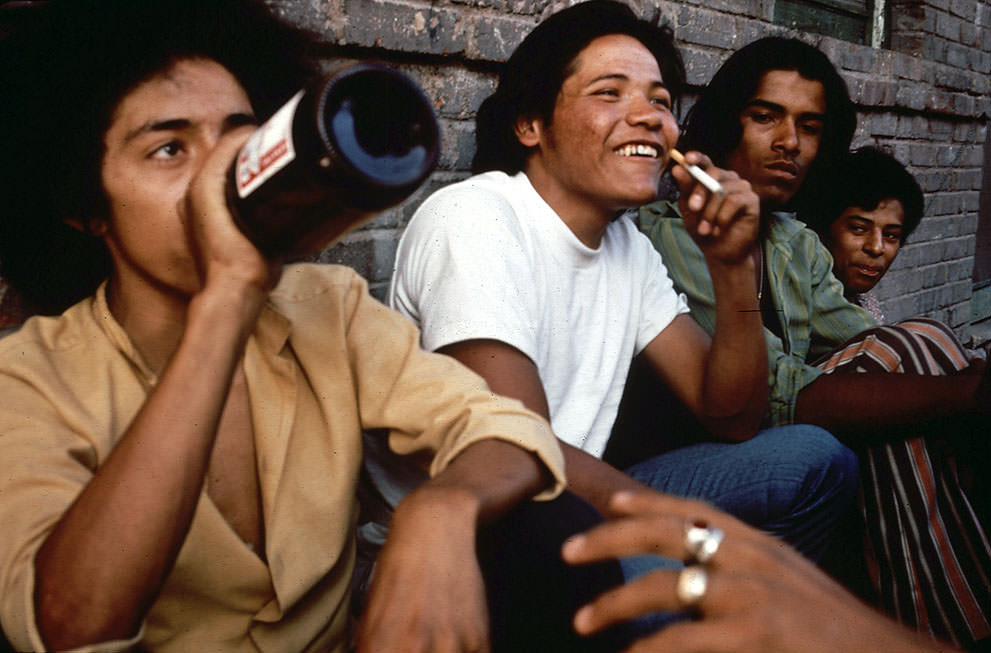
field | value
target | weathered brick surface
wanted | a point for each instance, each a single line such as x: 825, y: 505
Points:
x: 927, y: 99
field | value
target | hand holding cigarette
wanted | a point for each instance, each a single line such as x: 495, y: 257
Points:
x: 697, y: 173
x: 719, y: 209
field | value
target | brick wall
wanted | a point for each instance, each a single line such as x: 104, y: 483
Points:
x: 927, y: 99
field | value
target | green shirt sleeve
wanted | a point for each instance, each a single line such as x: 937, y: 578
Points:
x: 815, y: 317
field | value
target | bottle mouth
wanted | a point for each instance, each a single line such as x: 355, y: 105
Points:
x: 380, y: 126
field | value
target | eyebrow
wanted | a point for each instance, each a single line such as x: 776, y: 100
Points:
x: 657, y: 83
x: 862, y: 218
x: 179, y: 124
x: 777, y: 108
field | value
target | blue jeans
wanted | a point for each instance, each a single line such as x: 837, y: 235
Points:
x: 793, y: 482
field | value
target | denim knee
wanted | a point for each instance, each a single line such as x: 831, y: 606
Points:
x: 794, y: 482
x: 823, y: 452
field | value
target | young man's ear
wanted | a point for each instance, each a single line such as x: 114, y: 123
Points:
x: 528, y: 131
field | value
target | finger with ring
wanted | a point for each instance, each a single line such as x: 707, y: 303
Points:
x: 692, y: 585
x: 702, y: 541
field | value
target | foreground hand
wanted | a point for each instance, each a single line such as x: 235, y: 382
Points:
x: 222, y: 252
x: 427, y: 593
x: 725, y: 227
x: 760, y: 595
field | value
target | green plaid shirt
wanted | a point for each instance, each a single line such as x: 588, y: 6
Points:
x: 815, y: 318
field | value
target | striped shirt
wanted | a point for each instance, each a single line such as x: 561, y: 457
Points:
x: 927, y: 552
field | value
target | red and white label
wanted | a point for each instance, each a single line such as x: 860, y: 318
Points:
x: 267, y: 151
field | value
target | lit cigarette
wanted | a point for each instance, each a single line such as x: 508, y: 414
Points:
x: 697, y: 173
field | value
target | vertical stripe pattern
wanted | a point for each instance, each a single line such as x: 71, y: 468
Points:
x: 929, y: 556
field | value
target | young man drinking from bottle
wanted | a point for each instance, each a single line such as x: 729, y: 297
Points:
x: 180, y: 435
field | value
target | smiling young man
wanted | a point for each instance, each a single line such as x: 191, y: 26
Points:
x: 875, y: 205
x: 778, y: 113
x: 530, y: 274
x: 865, y: 242
x: 181, y: 434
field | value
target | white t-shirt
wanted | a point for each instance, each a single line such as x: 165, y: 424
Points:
x: 488, y: 258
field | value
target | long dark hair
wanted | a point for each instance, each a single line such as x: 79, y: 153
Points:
x: 713, y: 123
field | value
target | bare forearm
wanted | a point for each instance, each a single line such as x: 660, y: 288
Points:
x: 735, y: 382
x: 593, y: 480
x: 489, y: 478
x: 427, y: 592
x: 510, y: 373
x: 105, y: 561
x: 730, y: 397
x: 852, y: 402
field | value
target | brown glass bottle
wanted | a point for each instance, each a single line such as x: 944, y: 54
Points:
x: 338, y: 152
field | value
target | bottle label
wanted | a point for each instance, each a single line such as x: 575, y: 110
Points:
x: 267, y: 151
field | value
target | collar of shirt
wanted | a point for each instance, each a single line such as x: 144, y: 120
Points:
x: 271, y: 331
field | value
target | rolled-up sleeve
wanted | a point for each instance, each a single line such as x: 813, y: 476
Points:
x: 787, y: 376
x: 46, y: 464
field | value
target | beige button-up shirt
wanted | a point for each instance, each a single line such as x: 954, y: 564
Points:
x: 325, y: 361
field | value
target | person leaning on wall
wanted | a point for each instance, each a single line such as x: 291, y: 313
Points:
x: 778, y: 113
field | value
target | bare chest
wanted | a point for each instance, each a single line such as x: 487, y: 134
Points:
x: 232, y: 478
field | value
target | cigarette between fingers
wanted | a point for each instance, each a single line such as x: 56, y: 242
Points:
x: 697, y: 173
